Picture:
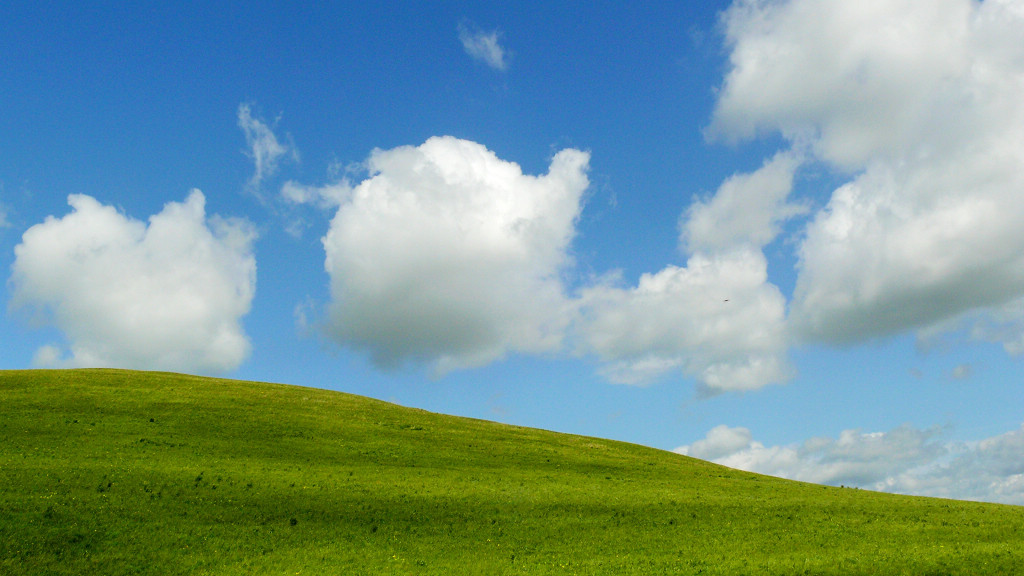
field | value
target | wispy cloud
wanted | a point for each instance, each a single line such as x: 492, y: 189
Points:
x: 4, y: 211
x: 328, y: 196
x: 905, y: 460
x: 262, y: 146
x: 484, y: 46
x: 961, y: 372
x: 165, y: 295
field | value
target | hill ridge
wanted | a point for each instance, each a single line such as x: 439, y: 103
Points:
x: 128, y: 472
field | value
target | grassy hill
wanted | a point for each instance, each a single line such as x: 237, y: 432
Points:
x: 121, y: 472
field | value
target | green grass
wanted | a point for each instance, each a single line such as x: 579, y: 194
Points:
x: 120, y: 472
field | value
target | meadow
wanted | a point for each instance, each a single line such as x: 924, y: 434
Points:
x: 124, y: 472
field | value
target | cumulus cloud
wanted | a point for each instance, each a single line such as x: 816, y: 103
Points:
x: 905, y: 460
x: 855, y: 78
x: 484, y: 47
x: 449, y: 255
x: 263, y: 147
x: 719, y: 442
x: 717, y: 319
x: 747, y: 209
x: 901, y: 248
x: 169, y: 294
x: 919, y: 101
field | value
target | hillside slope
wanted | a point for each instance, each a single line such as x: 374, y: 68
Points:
x: 122, y: 472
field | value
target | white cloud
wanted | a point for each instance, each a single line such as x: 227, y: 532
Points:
x: 747, y: 209
x: 719, y: 442
x: 904, y: 460
x: 718, y: 319
x: 961, y: 372
x: 46, y: 356
x: 910, y: 247
x: 920, y: 102
x: 4, y: 212
x: 484, y: 46
x: 264, y: 148
x: 858, y: 78
x: 326, y: 197
x: 448, y: 254
x: 854, y: 459
x: 1004, y: 324
x: 167, y: 295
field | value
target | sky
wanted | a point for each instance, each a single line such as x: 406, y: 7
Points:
x: 782, y: 235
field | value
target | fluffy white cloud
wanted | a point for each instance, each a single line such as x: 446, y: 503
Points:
x: 167, y: 295
x: 911, y: 246
x: 447, y: 254
x: 747, y: 209
x: 483, y: 46
x: 858, y: 78
x: 718, y: 319
x: 920, y: 101
x: 450, y: 255
x: 905, y: 460
x: 264, y: 148
x: 719, y: 442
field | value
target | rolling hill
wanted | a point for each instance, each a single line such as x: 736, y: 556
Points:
x: 125, y: 472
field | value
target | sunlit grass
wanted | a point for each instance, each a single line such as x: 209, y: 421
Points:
x: 119, y: 472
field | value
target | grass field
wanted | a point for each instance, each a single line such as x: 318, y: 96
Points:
x: 121, y: 472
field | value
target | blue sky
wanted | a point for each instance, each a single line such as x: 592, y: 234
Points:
x: 780, y: 235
